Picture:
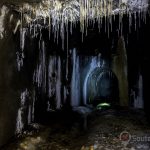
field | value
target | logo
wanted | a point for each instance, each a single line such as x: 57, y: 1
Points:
x: 125, y: 137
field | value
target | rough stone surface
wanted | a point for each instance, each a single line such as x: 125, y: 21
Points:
x: 8, y: 93
x: 104, y: 129
x: 120, y: 69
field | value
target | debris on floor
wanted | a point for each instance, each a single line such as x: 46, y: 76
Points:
x: 110, y: 130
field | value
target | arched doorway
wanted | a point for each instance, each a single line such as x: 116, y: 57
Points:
x: 102, y: 86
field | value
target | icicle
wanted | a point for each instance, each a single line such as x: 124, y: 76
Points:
x: 71, y: 25
x: 19, y: 120
x: 121, y: 26
x: 62, y: 34
x: 139, y: 18
x: 108, y: 27
x: 17, y: 25
x: 135, y: 21
x: 65, y: 94
x: 30, y: 114
x: 19, y: 125
x: 22, y: 38
x: 67, y: 37
x: 49, y: 24
x: 58, y: 84
x: 130, y: 22
x: 75, y: 81
x: 138, y: 100
x: 33, y: 106
x: 39, y: 76
x: 20, y: 53
x: 51, y: 76
x: 59, y: 13
x: 21, y: 27
x: 44, y: 66
x: 67, y: 71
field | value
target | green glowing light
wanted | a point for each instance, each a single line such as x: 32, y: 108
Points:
x: 103, y: 105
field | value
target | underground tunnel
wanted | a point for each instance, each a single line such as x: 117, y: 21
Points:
x: 74, y: 75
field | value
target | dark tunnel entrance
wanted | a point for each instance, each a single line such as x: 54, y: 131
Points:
x: 102, y: 86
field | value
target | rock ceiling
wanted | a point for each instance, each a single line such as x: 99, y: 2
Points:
x: 79, y: 9
x: 58, y: 13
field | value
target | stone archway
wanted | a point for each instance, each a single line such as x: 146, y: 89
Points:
x: 102, y: 86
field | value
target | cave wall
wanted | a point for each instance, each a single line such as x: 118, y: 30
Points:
x: 9, y: 96
x: 13, y: 83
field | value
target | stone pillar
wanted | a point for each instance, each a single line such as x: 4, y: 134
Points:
x: 119, y: 66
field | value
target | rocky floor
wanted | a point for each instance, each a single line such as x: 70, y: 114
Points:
x: 107, y: 130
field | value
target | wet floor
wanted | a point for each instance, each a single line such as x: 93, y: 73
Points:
x: 107, y: 130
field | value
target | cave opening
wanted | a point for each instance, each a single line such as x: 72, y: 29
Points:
x: 102, y: 87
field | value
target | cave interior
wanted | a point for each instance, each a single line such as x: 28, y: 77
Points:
x: 74, y: 86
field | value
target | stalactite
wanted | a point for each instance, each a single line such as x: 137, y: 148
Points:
x: 29, y: 114
x: 65, y: 94
x: 58, y: 84
x: 40, y: 72
x: 17, y: 25
x: 56, y: 15
x: 19, y: 121
x: 51, y: 76
x: 20, y: 52
x: 22, y: 38
x: 33, y: 105
x: 138, y: 98
x: 75, y: 81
